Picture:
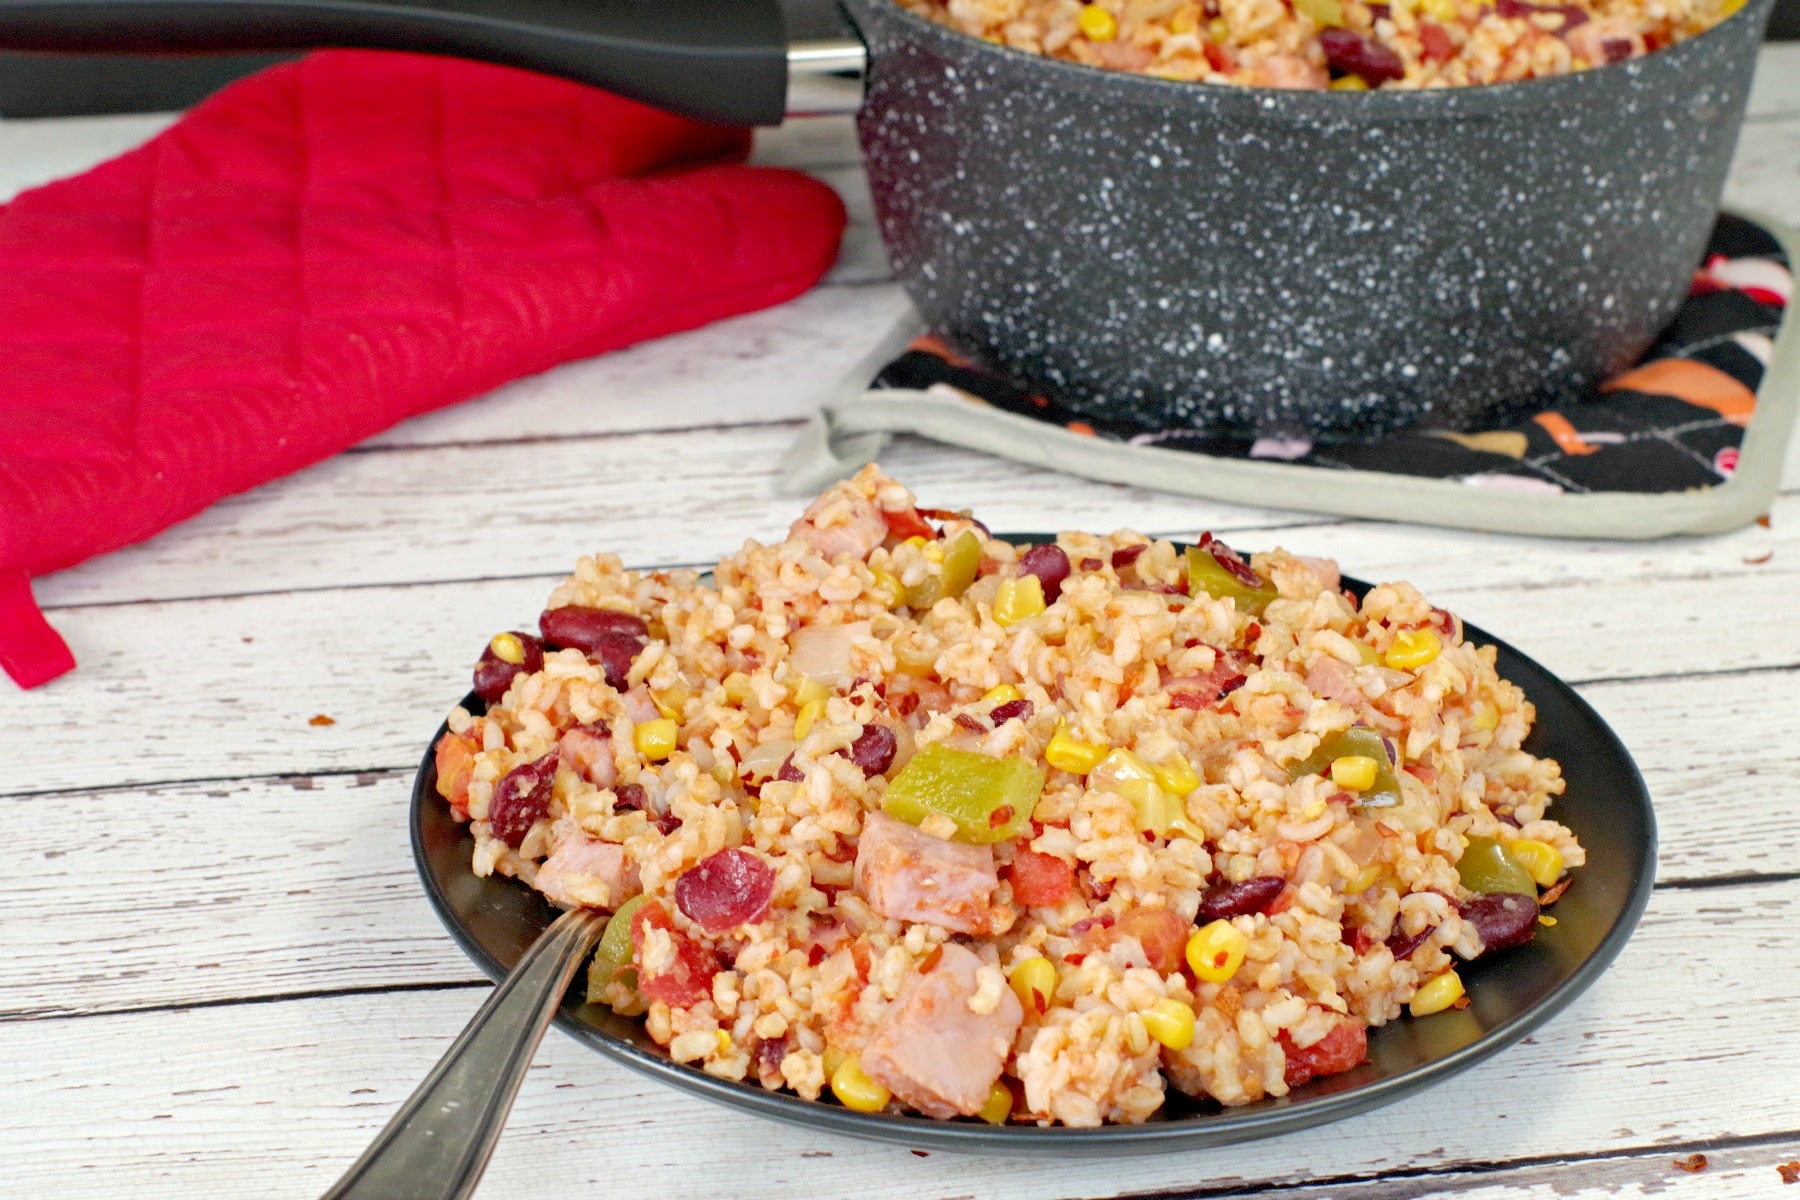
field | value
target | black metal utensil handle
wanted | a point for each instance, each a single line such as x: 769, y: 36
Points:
x: 437, y: 1145
x: 717, y: 60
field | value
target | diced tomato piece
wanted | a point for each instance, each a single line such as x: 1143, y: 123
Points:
x: 1161, y: 933
x: 1040, y: 879
x: 686, y: 981
x: 1434, y: 43
x: 907, y: 523
x: 1344, y: 1047
x: 455, y: 760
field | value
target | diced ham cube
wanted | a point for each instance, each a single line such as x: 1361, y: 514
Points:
x: 845, y: 520
x: 1335, y: 679
x: 934, y: 1051
x: 587, y: 750
x: 911, y: 876
x: 585, y: 871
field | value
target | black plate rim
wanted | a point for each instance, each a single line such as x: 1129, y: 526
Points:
x: 1265, y: 1118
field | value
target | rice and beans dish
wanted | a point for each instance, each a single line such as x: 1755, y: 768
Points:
x: 1344, y: 44
x: 901, y: 813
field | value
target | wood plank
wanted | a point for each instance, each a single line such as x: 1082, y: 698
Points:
x: 386, y: 661
x: 266, y: 887
x: 526, y: 508
x: 1607, y: 1077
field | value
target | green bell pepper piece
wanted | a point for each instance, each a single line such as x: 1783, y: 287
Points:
x: 990, y: 799
x: 1486, y: 867
x: 614, y: 953
x: 962, y: 561
x: 1358, y: 739
x: 1207, y: 574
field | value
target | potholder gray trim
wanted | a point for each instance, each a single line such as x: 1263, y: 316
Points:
x: 851, y: 432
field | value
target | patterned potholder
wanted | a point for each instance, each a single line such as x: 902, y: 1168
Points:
x: 327, y: 248
x: 1663, y: 447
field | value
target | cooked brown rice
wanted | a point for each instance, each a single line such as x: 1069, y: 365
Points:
x: 882, y: 956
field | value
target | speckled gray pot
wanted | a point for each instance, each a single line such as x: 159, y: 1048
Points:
x: 1295, y: 262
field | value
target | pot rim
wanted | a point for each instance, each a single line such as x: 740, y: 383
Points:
x: 1282, y: 104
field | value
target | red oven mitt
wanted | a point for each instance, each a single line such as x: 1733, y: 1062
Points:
x: 327, y: 248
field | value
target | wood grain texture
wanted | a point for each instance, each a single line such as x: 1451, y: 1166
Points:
x: 284, y: 1095
x: 273, y: 890
x: 265, y: 887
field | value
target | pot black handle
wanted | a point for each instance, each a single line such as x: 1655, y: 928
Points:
x: 717, y: 60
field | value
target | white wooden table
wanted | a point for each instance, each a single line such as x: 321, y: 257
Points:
x: 220, y: 974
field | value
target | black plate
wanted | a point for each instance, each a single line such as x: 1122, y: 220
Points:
x: 1512, y: 992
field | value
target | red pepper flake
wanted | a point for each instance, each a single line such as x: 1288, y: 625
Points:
x: 1759, y: 560
x: 970, y: 722
x: 1000, y: 816
x: 1693, y: 1164
x: 930, y: 961
x: 1087, y: 564
x: 321, y: 719
x: 1074, y: 960
x: 1460, y: 1003
x: 1554, y: 892
x: 1763, y: 521
x: 1790, y: 1171
x: 922, y: 1153
x: 1252, y: 631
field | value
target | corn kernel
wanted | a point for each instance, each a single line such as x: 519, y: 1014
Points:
x: 1437, y: 995
x: 1186, y: 19
x: 1487, y: 716
x: 809, y: 691
x: 1546, y: 920
x: 1177, y: 778
x: 1354, y: 772
x: 855, y: 1090
x: 1006, y: 693
x: 724, y: 1042
x: 1438, y: 10
x: 934, y: 551
x: 1542, y: 861
x: 1170, y: 1022
x: 1368, y: 654
x: 1034, y: 983
x: 1365, y: 879
x: 508, y: 648
x: 737, y: 687
x: 1121, y: 765
x: 1019, y: 599
x: 1219, y: 29
x: 1150, y: 802
x: 1097, y: 25
x: 670, y: 701
x: 888, y: 588
x: 1215, y: 952
x: 1077, y: 758
x: 916, y: 542
x: 655, y: 740
x: 998, y: 1106
x: 832, y: 1059
x: 1412, y: 649
x: 1349, y: 83
x: 810, y: 712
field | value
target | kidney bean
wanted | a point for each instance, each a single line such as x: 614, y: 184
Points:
x: 1504, y: 919
x: 873, y: 749
x: 493, y: 674
x: 1354, y: 54
x: 1003, y: 713
x: 1254, y: 895
x: 789, y: 773
x: 725, y: 890
x: 631, y: 796
x: 1124, y: 556
x: 1401, y: 945
x: 612, y: 639
x: 1050, y: 565
x: 521, y: 798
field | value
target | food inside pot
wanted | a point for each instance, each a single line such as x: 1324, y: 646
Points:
x: 876, y: 829
x: 1339, y: 44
